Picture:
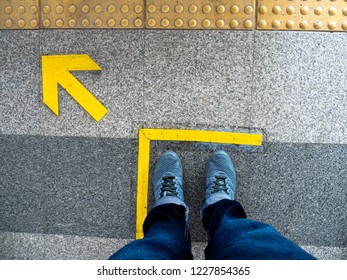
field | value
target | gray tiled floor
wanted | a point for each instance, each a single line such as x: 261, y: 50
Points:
x: 293, y: 85
x: 71, y: 175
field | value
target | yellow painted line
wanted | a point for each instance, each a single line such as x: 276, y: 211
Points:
x: 56, y: 70
x: 328, y: 15
x: 142, y: 182
x: 200, y: 14
x: 147, y: 135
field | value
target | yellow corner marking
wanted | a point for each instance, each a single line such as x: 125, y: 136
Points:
x: 147, y: 135
x: 56, y: 70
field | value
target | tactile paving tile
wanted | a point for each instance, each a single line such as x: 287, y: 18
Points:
x: 200, y: 14
x: 319, y: 15
x: 92, y: 14
x: 19, y: 14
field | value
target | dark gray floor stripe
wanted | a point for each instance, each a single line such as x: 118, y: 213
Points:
x: 86, y: 186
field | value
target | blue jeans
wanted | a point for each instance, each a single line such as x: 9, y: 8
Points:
x: 231, y: 236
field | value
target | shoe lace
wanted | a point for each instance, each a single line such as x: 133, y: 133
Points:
x: 168, y: 187
x: 220, y: 184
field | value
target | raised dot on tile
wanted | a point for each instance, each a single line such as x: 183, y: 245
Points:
x: 152, y: 8
x: 46, y: 9
x: 344, y: 25
x: 220, y: 23
x: 206, y: 9
x: 332, y: 11
x: 318, y: 10
x: 344, y: 11
x: 234, y: 23
x: 304, y: 10
x: 276, y: 23
x: 179, y: 9
x: 72, y: 9
x: 21, y: 10
x: 303, y: 24
x: 234, y: 9
x: 178, y: 22
x: 46, y: 23
x: 111, y: 22
x: 262, y: 9
x: 21, y: 23
x: 290, y: 10
x: 85, y: 22
x: 59, y: 22
x: 59, y: 9
x: 138, y: 9
x: 192, y: 23
x: 33, y: 9
x: 151, y: 22
x: 72, y: 23
x: 165, y: 8
x: 193, y: 9
x: 248, y: 24
x: 138, y: 22
x: 277, y: 10
x: 165, y: 22
x: 262, y: 23
x: 8, y: 23
x: 124, y: 22
x: 111, y: 9
x: 220, y: 9
x: 290, y: 24
x: 332, y: 25
x: 98, y: 22
x: 85, y: 9
x: 8, y: 10
x: 318, y: 25
x: 248, y: 10
x: 125, y: 9
x: 98, y: 9
x: 206, y: 23
x: 34, y: 23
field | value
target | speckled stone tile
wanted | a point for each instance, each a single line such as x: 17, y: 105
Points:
x: 68, y: 185
x: 300, y: 86
x: 118, y: 52
x: 197, y: 77
x: 33, y: 246
x: 19, y: 80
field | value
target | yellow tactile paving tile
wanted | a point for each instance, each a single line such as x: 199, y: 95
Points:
x: 316, y: 15
x: 92, y: 13
x: 200, y: 14
x: 319, y: 15
x: 19, y: 14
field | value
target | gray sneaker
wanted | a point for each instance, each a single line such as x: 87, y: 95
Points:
x: 167, y: 180
x: 220, y: 179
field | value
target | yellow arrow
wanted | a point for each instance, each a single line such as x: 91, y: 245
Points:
x: 56, y: 70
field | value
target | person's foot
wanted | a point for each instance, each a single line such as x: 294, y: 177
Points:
x: 220, y: 179
x: 167, y: 180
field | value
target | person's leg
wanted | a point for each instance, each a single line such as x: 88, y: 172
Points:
x: 231, y: 234
x: 234, y: 237
x: 166, y: 234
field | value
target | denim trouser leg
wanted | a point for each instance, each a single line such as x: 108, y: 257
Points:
x: 232, y: 236
x: 166, y: 237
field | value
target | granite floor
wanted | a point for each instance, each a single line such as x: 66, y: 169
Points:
x: 71, y: 179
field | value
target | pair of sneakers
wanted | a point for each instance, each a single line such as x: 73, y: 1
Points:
x: 168, y: 185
